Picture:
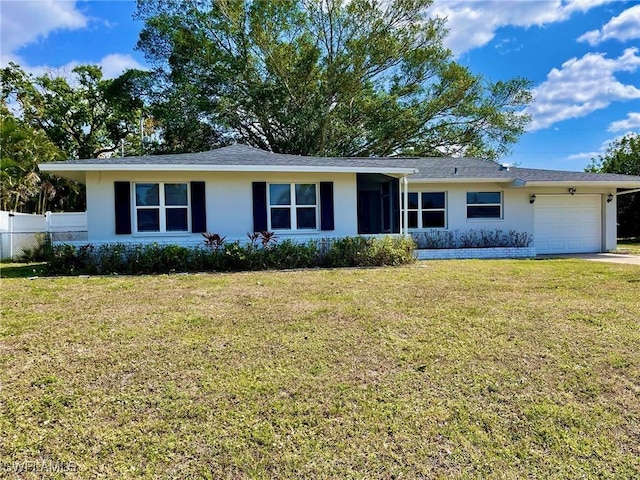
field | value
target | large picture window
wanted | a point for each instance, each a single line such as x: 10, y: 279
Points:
x: 427, y: 210
x: 484, y: 205
x: 161, y: 207
x: 293, y: 206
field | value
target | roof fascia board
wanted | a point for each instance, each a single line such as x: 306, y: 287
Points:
x: 584, y: 183
x: 460, y: 180
x: 88, y: 167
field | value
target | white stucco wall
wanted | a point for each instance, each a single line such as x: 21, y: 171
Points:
x: 230, y: 209
x: 229, y: 204
x: 518, y: 213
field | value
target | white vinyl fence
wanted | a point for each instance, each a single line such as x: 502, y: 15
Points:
x: 21, y: 232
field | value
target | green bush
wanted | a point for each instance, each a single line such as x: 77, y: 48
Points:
x: 391, y: 251
x: 368, y: 252
x: 483, y: 238
x: 135, y: 259
x: 347, y: 252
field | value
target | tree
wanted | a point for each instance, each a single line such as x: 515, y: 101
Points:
x: 180, y: 125
x: 328, y: 77
x: 23, y: 188
x: 85, y: 116
x: 623, y: 156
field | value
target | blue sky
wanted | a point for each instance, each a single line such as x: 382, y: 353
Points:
x: 582, y: 55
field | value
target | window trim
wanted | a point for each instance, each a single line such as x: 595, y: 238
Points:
x: 162, y: 207
x: 420, y: 210
x: 293, y: 207
x: 500, y: 205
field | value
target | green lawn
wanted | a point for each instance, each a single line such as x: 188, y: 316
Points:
x: 630, y: 245
x: 454, y: 369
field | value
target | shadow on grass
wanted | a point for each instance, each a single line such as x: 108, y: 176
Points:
x: 22, y: 270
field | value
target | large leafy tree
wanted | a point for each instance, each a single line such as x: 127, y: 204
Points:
x: 58, y: 117
x: 328, y: 77
x: 84, y: 115
x: 623, y: 156
x: 23, y: 188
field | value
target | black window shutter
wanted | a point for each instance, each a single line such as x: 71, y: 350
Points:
x: 122, y: 197
x: 326, y: 206
x: 198, y: 208
x: 259, y: 206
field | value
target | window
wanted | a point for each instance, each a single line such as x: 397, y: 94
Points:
x: 293, y: 206
x: 161, y: 207
x: 484, y: 204
x: 426, y: 210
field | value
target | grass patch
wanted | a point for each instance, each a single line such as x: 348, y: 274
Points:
x: 629, y: 245
x: 454, y: 369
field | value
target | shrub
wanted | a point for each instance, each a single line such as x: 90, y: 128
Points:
x: 213, y: 240
x: 366, y: 252
x: 347, y: 252
x: 472, y: 239
x: 391, y: 251
x: 261, y: 254
x: 434, y: 239
x: 67, y: 259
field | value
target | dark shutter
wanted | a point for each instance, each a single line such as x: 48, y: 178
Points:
x: 198, y: 208
x: 259, y: 206
x: 326, y: 206
x: 122, y: 196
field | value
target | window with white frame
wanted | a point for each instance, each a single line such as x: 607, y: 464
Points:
x: 293, y: 206
x: 484, y: 205
x: 161, y: 207
x: 427, y: 210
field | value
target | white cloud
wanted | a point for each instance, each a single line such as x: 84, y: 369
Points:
x: 115, y: 63
x: 25, y: 22
x: 474, y: 23
x: 625, y: 26
x: 584, y: 155
x: 632, y: 122
x: 582, y: 86
x: 112, y: 66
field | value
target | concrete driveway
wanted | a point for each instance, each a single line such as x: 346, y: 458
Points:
x: 600, y: 257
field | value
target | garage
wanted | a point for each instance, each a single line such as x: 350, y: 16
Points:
x: 568, y: 224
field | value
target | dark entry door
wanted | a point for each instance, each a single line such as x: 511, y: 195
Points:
x: 378, y: 206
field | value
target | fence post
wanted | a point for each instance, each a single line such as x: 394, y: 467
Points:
x: 11, y: 215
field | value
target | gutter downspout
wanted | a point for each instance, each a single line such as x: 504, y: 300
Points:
x: 635, y: 190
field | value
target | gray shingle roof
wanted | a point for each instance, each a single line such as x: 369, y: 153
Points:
x: 431, y: 168
x: 239, y: 155
x: 531, y: 174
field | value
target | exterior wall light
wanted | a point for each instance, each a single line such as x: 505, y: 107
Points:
x: 532, y: 198
x: 609, y: 198
x: 572, y: 191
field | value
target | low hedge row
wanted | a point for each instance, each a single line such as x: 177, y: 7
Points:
x: 136, y: 259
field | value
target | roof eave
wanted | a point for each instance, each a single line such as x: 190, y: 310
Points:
x: 460, y: 180
x: 585, y: 183
x: 90, y: 167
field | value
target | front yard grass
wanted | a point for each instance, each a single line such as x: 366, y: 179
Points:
x: 629, y: 245
x: 453, y: 369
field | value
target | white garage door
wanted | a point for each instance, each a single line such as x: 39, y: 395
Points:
x: 568, y: 224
